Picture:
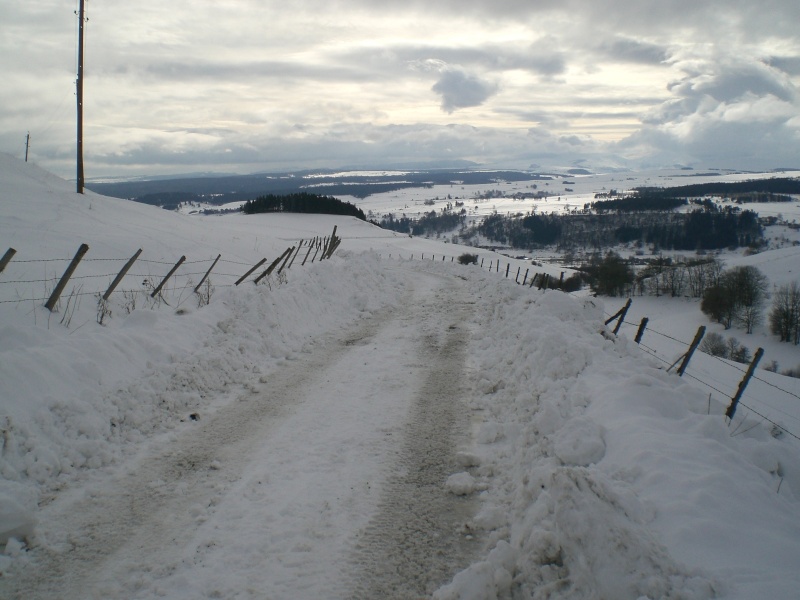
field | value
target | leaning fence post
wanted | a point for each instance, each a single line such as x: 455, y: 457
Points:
x: 310, y: 248
x: 525, y: 279
x: 168, y: 275
x: 516, y: 279
x: 121, y: 274
x: 202, y: 281
x: 508, y: 268
x: 246, y: 275
x: 6, y: 258
x: 481, y: 262
x: 622, y: 315
x: 695, y: 343
x: 334, y: 247
x: 641, y: 329
x: 288, y: 255
x: 743, y: 384
x: 300, y: 245
x: 544, y: 280
x: 51, y: 303
x: 333, y: 243
x: 272, y: 266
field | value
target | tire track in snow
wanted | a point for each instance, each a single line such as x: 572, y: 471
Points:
x: 418, y: 541
x: 141, y: 520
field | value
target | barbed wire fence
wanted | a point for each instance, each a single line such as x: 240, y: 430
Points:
x: 735, y: 397
x: 151, y: 282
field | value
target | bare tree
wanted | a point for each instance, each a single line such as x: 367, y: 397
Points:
x: 750, y: 287
x: 738, y: 297
x: 784, y: 319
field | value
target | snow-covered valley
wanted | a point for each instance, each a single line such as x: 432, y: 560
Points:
x: 368, y: 426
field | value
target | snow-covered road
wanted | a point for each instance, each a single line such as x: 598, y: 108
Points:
x: 326, y: 482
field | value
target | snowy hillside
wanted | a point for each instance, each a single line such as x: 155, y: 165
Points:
x: 366, y: 426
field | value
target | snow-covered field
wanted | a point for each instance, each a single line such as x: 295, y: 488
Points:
x: 369, y: 426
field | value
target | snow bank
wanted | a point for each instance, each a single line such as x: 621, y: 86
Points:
x: 606, y: 476
x: 76, y: 399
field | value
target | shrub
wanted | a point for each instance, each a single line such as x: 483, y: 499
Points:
x: 468, y: 259
x: 714, y: 344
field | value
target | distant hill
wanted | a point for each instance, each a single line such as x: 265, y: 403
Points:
x: 766, y: 187
x: 169, y: 193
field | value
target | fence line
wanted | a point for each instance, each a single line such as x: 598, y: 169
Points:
x: 735, y: 397
x: 544, y: 280
x: 154, y: 283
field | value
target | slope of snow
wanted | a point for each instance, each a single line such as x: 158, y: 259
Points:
x: 594, y: 472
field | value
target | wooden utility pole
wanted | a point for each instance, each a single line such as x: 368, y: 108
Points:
x: 79, y: 87
x: 27, y: 143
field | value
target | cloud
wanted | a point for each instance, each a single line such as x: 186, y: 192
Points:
x: 634, y: 51
x: 459, y: 89
x: 729, y: 111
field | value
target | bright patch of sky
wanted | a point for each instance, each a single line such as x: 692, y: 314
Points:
x: 243, y: 86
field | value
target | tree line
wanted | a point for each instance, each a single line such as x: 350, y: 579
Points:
x: 429, y: 223
x: 302, y: 203
x: 705, y: 228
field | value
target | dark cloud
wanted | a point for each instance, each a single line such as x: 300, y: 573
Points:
x: 459, y: 89
x: 239, y: 70
x: 536, y: 58
x: 634, y: 51
x: 725, y: 80
x: 788, y: 64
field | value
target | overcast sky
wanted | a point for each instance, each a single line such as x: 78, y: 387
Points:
x: 260, y: 85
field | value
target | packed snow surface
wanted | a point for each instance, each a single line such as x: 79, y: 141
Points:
x: 368, y: 426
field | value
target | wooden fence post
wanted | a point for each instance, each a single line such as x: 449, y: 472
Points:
x: 333, y: 243
x: 688, y: 356
x: 481, y: 262
x: 516, y: 279
x: 620, y: 314
x: 508, y: 268
x: 310, y: 248
x: 641, y: 329
x: 544, y: 281
x: 525, y: 279
x: 288, y: 255
x: 202, y: 281
x: 6, y: 258
x: 51, y: 303
x: 271, y: 266
x: 300, y: 245
x: 168, y: 275
x: 246, y: 275
x: 121, y: 274
x: 743, y: 384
